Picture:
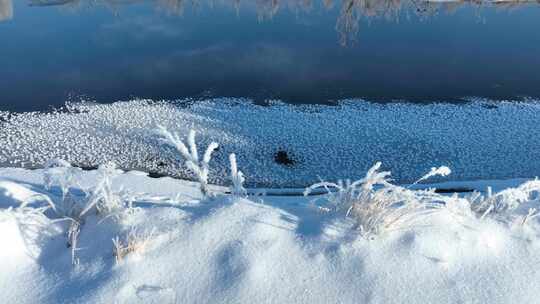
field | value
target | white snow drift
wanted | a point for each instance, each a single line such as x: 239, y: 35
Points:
x: 163, y: 242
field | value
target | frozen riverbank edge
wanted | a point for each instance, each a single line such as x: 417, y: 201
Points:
x: 478, y: 140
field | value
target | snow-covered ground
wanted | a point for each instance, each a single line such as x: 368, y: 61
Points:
x: 275, y: 249
x: 480, y: 139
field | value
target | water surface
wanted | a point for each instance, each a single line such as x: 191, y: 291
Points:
x: 299, y: 51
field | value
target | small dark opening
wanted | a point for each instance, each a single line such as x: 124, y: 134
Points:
x: 283, y: 158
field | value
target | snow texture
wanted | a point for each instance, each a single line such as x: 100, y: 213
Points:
x: 236, y: 250
x: 480, y: 139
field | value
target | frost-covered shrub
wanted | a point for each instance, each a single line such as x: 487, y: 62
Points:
x: 377, y: 205
x: 198, y: 167
x: 60, y: 173
x: 516, y: 207
x: 102, y: 199
x: 133, y: 242
x: 106, y: 201
x: 508, y: 200
x: 237, y: 178
x: 503, y: 206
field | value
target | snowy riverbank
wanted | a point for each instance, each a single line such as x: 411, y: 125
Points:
x: 256, y: 249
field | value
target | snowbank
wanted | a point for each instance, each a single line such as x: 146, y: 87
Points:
x: 268, y: 250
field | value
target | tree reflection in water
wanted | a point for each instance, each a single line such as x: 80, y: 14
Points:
x: 351, y: 12
x: 6, y: 10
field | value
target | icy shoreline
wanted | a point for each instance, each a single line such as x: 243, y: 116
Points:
x: 481, y: 139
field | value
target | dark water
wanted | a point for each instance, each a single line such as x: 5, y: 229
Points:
x: 300, y: 51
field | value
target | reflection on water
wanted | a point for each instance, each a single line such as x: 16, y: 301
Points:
x: 352, y: 11
x: 412, y: 50
x: 348, y: 21
x: 6, y: 10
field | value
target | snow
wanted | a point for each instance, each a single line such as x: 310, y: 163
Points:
x: 13, y: 241
x: 13, y: 194
x: 266, y: 249
x: 479, y: 140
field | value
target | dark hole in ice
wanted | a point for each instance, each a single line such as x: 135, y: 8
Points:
x: 453, y: 190
x: 283, y: 158
x: 156, y: 175
x: 88, y: 167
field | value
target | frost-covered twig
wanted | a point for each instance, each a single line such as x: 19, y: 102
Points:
x: 237, y: 178
x: 442, y: 171
x: 198, y: 167
x: 73, y: 238
x: 531, y: 214
x: 133, y: 242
